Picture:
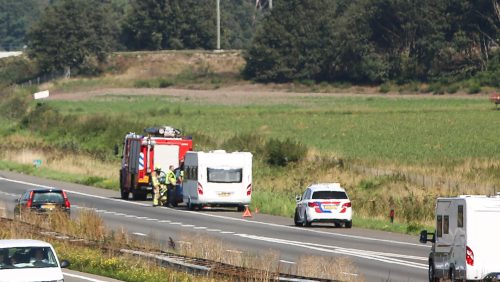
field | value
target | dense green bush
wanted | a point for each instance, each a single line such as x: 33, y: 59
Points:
x: 14, y: 104
x: 385, y: 88
x: 474, y: 88
x: 16, y: 69
x: 280, y: 153
x: 249, y: 142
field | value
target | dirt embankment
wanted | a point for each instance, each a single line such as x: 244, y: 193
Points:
x: 165, y: 64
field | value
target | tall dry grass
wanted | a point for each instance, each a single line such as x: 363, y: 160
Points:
x: 89, y: 226
x: 68, y: 163
x: 341, y: 269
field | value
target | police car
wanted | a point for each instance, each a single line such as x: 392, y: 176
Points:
x: 324, y: 202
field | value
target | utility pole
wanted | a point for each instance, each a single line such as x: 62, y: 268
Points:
x: 218, y: 24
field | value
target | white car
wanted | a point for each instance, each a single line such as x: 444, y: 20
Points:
x: 29, y: 260
x: 324, y: 202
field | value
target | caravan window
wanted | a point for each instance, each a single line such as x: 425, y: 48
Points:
x: 460, y: 216
x: 221, y: 175
x: 446, y: 224
x: 191, y: 172
x: 439, y: 226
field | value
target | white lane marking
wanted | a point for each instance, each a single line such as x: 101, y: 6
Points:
x: 231, y: 218
x: 82, y: 277
x: 163, y: 221
x: 307, y: 230
x: 187, y: 225
x: 130, y: 215
x: 200, y: 227
x: 213, y: 230
x: 360, y: 253
x: 175, y: 223
x: 75, y: 192
x: 338, y: 250
x: 286, y: 261
x: 227, y: 232
x: 152, y: 219
x: 140, y: 234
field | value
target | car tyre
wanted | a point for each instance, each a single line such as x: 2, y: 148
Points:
x: 241, y: 208
x: 306, y: 222
x: 348, y: 224
x: 296, y: 218
x: 139, y: 195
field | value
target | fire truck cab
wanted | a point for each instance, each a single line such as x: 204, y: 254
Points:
x: 160, y: 147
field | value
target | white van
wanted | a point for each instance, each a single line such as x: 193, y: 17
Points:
x: 29, y: 260
x: 217, y: 178
x: 466, y: 242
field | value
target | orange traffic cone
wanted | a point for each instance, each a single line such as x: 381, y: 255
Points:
x: 247, y: 212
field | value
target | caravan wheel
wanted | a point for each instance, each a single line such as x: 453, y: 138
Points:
x: 190, y: 206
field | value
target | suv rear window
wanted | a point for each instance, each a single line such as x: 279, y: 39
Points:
x: 329, y: 195
x: 48, y: 197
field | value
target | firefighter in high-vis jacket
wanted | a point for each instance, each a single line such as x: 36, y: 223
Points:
x: 171, y: 182
x: 156, y: 186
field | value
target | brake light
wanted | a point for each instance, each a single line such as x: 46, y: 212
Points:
x: 30, y: 200
x: 67, y: 204
x: 249, y: 189
x: 200, y: 189
x: 469, y: 256
x: 345, y: 206
x: 312, y: 204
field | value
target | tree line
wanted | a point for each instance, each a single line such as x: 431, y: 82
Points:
x: 359, y: 41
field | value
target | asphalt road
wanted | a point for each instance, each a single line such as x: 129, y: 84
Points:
x: 75, y: 276
x: 378, y: 256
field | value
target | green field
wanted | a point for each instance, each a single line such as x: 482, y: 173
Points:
x: 454, y: 137
x: 404, y: 130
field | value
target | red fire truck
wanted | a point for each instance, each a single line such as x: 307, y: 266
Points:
x: 160, y: 147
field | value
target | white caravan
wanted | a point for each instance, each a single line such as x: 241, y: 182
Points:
x: 217, y: 178
x: 466, y: 244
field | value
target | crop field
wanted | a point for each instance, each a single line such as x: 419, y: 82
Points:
x: 412, y: 130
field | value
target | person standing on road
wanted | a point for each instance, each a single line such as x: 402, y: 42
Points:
x: 179, y: 175
x: 171, y: 182
x: 156, y: 186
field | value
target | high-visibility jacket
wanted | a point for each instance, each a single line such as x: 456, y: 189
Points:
x: 154, y: 180
x: 171, y: 177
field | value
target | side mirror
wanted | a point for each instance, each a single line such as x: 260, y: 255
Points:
x: 424, y: 237
x: 64, y: 263
x: 298, y: 198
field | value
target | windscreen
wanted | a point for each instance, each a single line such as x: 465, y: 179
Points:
x: 26, y: 257
x: 220, y: 175
x: 339, y: 195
